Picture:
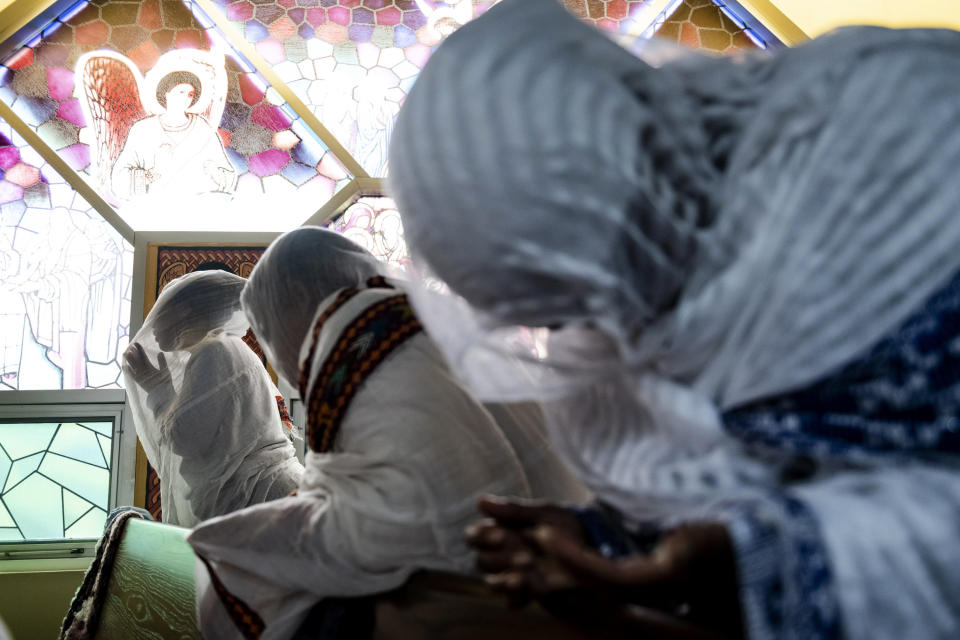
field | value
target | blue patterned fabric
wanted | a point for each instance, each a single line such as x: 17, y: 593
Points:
x: 901, y: 398
x: 786, y: 588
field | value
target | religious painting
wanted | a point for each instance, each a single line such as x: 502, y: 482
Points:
x: 153, y: 134
x: 65, y: 279
x: 168, y: 121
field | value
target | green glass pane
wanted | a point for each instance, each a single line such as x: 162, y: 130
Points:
x: 89, y: 526
x: 21, y: 469
x: 106, y: 428
x: 35, y: 506
x: 106, y: 444
x: 10, y: 534
x: 83, y: 479
x: 5, y: 519
x: 21, y: 440
x: 74, y: 507
x: 4, y: 468
x: 73, y: 441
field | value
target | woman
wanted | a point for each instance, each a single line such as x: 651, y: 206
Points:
x: 204, y: 407
x: 399, y: 450
x: 749, y: 270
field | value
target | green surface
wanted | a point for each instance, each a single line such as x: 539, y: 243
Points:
x: 151, y: 593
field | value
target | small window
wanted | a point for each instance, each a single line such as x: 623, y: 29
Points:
x: 58, y: 470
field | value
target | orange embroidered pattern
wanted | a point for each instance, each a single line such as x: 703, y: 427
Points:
x: 249, y: 623
x: 360, y: 348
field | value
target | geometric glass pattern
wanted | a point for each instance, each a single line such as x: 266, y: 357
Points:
x: 97, y: 73
x: 709, y: 25
x: 54, y: 479
x: 374, y: 223
x: 65, y: 279
x: 352, y: 62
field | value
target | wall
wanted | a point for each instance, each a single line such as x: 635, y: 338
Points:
x: 34, y: 604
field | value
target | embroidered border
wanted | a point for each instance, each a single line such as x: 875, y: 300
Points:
x: 248, y: 621
x: 342, y: 298
x: 359, y: 350
x: 786, y: 585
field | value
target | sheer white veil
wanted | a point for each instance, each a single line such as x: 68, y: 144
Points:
x: 706, y: 233
x: 204, y: 406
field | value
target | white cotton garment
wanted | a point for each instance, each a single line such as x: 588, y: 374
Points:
x: 707, y: 232
x: 412, y: 454
x: 204, y: 406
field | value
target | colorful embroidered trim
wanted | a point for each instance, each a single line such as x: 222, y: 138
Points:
x: 342, y: 298
x: 247, y: 620
x: 359, y: 349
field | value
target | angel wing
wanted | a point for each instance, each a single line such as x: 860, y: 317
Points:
x: 111, y: 92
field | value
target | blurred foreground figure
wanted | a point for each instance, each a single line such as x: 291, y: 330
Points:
x: 204, y: 406
x: 749, y: 270
x: 399, y: 450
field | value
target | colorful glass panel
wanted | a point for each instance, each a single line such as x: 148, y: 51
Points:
x: 374, y: 223
x: 65, y: 277
x: 708, y: 25
x: 354, y: 61
x: 170, y: 123
x: 54, y: 480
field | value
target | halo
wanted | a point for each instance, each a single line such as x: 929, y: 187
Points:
x: 206, y: 65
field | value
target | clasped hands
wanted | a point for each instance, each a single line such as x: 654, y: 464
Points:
x: 684, y: 588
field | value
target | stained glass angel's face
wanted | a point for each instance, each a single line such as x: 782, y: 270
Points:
x: 180, y: 97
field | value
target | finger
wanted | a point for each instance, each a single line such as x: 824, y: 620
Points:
x: 485, y: 533
x: 634, y: 572
x: 513, y: 513
x: 507, y: 560
x: 162, y: 361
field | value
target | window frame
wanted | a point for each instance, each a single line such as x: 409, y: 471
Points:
x: 74, y: 406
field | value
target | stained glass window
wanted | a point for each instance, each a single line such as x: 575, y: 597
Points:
x: 354, y: 61
x: 374, y: 223
x: 54, y: 479
x: 65, y: 277
x: 170, y: 124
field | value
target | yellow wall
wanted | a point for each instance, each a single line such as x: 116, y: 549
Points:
x: 15, y: 14
x: 795, y: 20
x: 34, y: 604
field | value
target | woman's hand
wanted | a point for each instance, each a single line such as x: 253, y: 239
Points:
x: 685, y: 588
x: 143, y: 372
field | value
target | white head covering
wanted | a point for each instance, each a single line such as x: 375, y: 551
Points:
x: 392, y: 490
x: 204, y: 406
x: 712, y: 231
x: 299, y: 270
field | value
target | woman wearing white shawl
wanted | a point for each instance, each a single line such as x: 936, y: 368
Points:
x: 399, y: 450
x: 204, y: 407
x: 761, y: 248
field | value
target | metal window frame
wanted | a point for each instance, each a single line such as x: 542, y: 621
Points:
x: 75, y: 405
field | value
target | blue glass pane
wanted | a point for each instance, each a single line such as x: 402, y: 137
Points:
x: 83, y: 479
x: 89, y: 526
x: 35, y: 505
x: 22, y: 440
x: 74, y: 507
x: 73, y: 441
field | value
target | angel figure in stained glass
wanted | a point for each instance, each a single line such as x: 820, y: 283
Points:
x: 157, y: 134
